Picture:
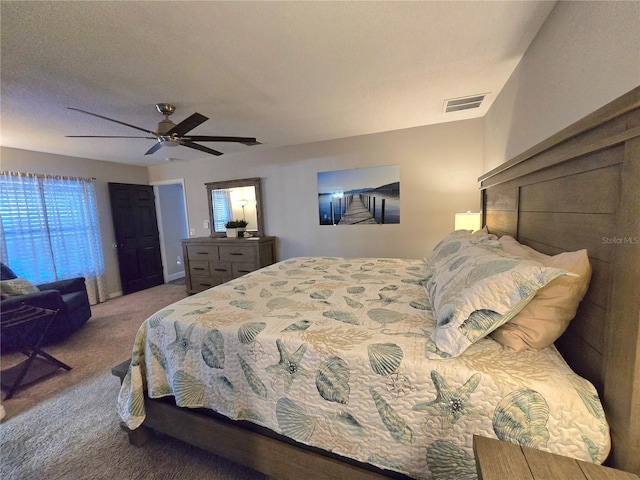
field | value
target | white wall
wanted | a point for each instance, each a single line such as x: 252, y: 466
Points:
x: 439, y: 165
x: 585, y: 55
x: 170, y: 200
x: 36, y: 162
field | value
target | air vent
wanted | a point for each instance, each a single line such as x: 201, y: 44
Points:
x: 465, y: 103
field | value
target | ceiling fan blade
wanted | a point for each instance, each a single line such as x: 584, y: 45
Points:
x: 107, y: 136
x: 115, y: 121
x: 202, y: 148
x: 208, y: 138
x: 187, y: 125
x: 154, y: 149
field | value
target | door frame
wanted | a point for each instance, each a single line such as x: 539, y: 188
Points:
x: 163, y: 253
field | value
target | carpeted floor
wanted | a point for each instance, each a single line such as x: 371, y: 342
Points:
x: 66, y: 427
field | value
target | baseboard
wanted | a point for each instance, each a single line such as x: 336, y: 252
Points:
x: 170, y: 278
x: 174, y: 276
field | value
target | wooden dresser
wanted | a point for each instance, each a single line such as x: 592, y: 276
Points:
x: 498, y: 460
x: 211, y: 261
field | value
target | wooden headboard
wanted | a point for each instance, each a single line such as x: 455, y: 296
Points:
x: 581, y: 189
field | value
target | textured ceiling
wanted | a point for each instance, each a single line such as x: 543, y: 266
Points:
x: 284, y: 72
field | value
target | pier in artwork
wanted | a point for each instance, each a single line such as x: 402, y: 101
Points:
x: 356, y: 212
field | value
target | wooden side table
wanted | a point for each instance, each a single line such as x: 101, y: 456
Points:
x: 498, y: 460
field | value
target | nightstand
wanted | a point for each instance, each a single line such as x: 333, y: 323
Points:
x: 498, y: 460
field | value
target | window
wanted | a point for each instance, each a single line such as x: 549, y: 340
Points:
x: 49, y: 230
x: 222, y: 212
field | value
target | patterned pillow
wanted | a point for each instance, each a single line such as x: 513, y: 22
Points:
x: 479, y: 288
x: 454, y: 243
x: 17, y: 286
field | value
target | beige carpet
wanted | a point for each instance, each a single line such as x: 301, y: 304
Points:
x: 66, y: 426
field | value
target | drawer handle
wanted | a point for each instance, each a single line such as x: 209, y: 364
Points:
x: 198, y: 268
x: 237, y: 254
x: 203, y: 253
x: 220, y: 269
x: 244, y: 271
x: 206, y: 285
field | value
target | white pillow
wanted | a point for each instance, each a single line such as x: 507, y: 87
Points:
x: 548, y: 315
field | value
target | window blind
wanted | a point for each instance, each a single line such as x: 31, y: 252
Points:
x: 222, y: 212
x: 49, y: 230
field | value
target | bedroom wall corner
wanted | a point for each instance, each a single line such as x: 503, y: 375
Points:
x: 571, y: 69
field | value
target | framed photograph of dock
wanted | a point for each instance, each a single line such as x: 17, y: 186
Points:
x: 360, y: 196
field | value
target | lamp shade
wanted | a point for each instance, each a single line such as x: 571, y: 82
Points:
x: 468, y: 221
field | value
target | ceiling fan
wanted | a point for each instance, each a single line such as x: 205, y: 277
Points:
x: 171, y: 135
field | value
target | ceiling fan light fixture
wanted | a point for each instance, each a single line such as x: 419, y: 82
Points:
x: 165, y: 125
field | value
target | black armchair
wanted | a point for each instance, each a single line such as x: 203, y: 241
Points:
x: 67, y: 296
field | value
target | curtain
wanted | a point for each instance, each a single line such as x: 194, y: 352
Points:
x: 49, y: 230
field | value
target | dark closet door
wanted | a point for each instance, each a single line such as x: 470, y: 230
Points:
x: 137, y: 239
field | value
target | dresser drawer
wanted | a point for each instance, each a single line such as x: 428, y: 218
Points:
x: 239, y: 269
x: 199, y: 268
x: 202, y: 252
x: 230, y: 253
x: 220, y: 269
x: 199, y: 284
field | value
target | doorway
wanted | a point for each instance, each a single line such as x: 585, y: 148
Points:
x: 171, y: 210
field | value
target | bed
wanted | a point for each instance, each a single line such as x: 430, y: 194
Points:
x: 347, y: 354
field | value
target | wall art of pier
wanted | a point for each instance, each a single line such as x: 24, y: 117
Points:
x: 363, y: 208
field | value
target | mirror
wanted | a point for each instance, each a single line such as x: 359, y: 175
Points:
x: 235, y: 200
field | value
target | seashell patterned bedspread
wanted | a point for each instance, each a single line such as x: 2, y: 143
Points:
x: 331, y: 353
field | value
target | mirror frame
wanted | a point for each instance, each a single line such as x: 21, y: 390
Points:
x: 242, y: 182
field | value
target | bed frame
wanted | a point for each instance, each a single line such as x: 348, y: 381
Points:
x: 578, y: 189
x: 581, y: 189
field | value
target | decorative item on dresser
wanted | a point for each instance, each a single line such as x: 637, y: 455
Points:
x: 212, y: 261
